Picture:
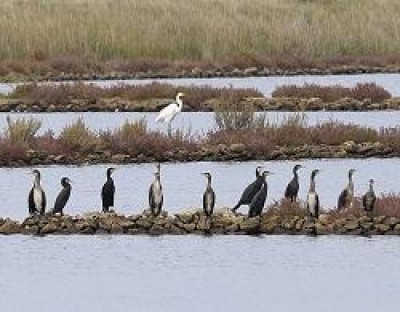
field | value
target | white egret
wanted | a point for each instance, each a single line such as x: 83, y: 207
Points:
x: 168, y: 113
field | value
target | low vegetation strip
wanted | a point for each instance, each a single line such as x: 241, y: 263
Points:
x: 82, y: 97
x: 238, y: 136
x: 105, y: 36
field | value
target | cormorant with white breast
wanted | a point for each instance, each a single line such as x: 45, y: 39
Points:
x: 312, y: 197
x: 208, y: 197
x: 108, y: 191
x: 369, y: 199
x: 156, y: 197
x: 292, y: 188
x: 257, y: 203
x: 37, y: 197
x: 63, y: 196
x: 251, y: 190
x: 346, y: 196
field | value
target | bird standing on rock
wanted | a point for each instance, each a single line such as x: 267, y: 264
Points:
x: 312, y: 197
x: 156, y: 197
x: 37, y: 197
x: 369, y: 199
x: 108, y: 191
x: 251, y: 190
x: 346, y: 196
x: 292, y: 188
x: 208, y: 197
x: 63, y: 196
x: 257, y: 204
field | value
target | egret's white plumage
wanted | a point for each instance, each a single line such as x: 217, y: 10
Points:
x: 168, y: 113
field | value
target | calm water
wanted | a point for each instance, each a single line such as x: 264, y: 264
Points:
x: 266, y: 85
x: 192, y: 273
x: 184, y: 186
x: 199, y: 122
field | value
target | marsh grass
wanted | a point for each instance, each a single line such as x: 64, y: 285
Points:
x: 135, y: 138
x: 333, y: 93
x: 97, y: 35
x: 63, y: 93
x: 21, y: 131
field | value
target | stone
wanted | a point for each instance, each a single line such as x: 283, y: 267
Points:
x: 10, y: 227
x: 322, y: 229
x: 250, y: 225
x: 49, y: 228
x: 351, y: 225
x: 397, y: 229
x: 382, y: 228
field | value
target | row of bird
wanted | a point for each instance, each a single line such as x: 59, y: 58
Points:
x: 254, y: 195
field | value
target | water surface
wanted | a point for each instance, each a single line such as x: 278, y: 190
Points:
x: 193, y: 273
x: 266, y: 85
x: 201, y: 122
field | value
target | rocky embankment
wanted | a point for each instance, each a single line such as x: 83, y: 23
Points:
x: 220, y: 152
x: 223, y: 222
x: 198, y: 72
x: 155, y: 105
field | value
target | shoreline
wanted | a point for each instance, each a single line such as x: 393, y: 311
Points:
x: 287, y: 104
x: 221, y: 152
x: 198, y: 72
x: 184, y: 223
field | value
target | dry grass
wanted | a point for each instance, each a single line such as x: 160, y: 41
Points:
x: 260, y: 138
x: 387, y: 204
x: 333, y: 93
x: 21, y: 131
x: 141, y: 34
x: 63, y: 93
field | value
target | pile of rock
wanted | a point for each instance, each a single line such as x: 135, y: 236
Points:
x: 194, y: 222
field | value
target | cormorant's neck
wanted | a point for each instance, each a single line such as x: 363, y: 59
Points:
x: 312, y: 185
x: 371, y: 187
x: 295, y: 175
x: 37, y: 181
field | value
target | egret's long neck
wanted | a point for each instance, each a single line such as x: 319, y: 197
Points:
x: 179, y: 102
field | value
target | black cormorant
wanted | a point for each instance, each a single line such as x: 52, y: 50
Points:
x: 312, y: 197
x: 37, y: 197
x: 63, y: 196
x: 346, y: 196
x: 208, y: 197
x: 292, y: 188
x: 156, y: 197
x: 369, y: 199
x: 251, y: 190
x: 108, y: 191
x: 257, y: 204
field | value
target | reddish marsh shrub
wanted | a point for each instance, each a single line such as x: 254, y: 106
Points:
x: 333, y: 93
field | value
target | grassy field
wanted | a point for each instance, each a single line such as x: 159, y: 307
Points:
x: 243, y: 31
